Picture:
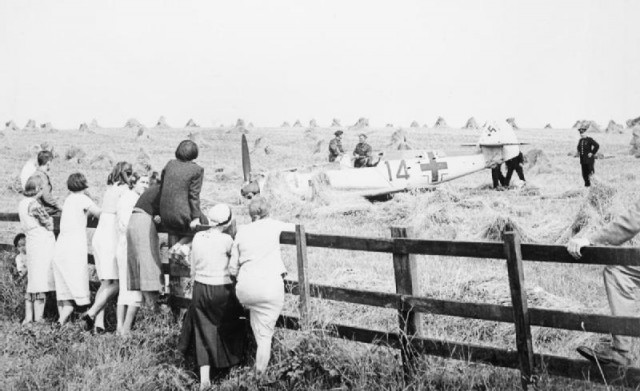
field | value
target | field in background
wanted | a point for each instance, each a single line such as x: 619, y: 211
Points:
x: 465, y: 209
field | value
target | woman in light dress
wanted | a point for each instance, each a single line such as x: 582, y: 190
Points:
x: 104, y: 243
x: 214, y: 328
x: 40, y: 246
x: 70, y: 266
x: 257, y: 263
x: 129, y: 301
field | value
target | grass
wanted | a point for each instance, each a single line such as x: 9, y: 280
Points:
x: 38, y: 357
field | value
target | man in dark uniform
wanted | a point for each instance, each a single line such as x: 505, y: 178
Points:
x: 514, y: 164
x: 587, y: 149
x: 335, y: 146
x: 497, y: 177
x: 362, y: 153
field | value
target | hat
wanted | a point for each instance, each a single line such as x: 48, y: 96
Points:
x: 219, y: 215
x: 338, y: 132
x: 363, y: 135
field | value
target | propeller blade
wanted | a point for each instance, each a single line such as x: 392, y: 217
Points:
x: 246, y: 163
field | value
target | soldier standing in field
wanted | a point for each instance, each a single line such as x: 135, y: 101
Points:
x: 335, y: 146
x: 587, y: 149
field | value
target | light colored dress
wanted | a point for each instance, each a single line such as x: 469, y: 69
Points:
x: 105, y: 238
x: 40, y: 246
x: 70, y: 266
x: 257, y: 262
x: 123, y: 214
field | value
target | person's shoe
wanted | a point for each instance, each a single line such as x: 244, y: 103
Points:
x: 605, y: 355
x: 88, y: 322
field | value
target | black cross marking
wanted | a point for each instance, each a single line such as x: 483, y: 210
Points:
x: 433, y: 166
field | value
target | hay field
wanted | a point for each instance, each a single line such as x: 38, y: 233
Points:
x: 465, y: 209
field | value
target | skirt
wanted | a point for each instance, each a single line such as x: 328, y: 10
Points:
x: 263, y: 296
x: 104, y: 243
x: 70, y: 267
x: 144, y: 267
x: 214, y: 328
x: 41, y: 244
x: 126, y: 296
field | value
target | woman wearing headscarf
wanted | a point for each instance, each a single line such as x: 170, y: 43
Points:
x: 256, y: 262
x: 214, y: 329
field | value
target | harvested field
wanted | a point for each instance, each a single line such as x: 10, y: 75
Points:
x: 551, y: 210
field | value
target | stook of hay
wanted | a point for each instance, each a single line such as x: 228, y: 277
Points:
x: 614, y: 127
x: 133, y: 123
x: 512, y: 121
x: 548, y: 126
x: 537, y: 162
x: 471, y: 124
x: 30, y: 126
x: 162, y: 123
x: 143, y: 162
x: 335, y: 123
x: 500, y: 224
x: 414, y: 124
x: 594, y: 211
x: 635, y: 141
x: 285, y: 124
x: 74, y: 153
x: 313, y: 123
x: 297, y: 124
x: 440, y: 123
x: 318, y: 148
x: 94, y: 124
x: 191, y: 124
x: 11, y: 126
x: 103, y: 160
x: 360, y: 124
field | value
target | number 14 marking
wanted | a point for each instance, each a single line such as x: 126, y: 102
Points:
x: 402, y: 173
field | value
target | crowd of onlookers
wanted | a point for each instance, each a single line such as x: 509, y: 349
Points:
x: 234, y: 269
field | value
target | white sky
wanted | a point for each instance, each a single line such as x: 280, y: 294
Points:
x: 68, y: 61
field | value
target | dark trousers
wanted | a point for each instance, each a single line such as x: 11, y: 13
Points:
x: 510, y: 170
x: 497, y: 177
x: 587, y: 171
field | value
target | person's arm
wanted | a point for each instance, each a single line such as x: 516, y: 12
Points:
x: 234, y: 260
x: 595, y: 147
x: 90, y: 208
x: 621, y: 229
x: 195, y: 186
x: 40, y: 213
x: 333, y: 147
x: 47, y: 197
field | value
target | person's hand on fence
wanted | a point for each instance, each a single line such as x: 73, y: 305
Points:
x: 194, y: 224
x: 157, y: 219
x: 575, y: 245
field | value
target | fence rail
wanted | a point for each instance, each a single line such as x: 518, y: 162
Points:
x: 410, y: 306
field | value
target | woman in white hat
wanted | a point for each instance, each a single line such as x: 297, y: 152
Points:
x: 214, y: 329
x: 257, y: 263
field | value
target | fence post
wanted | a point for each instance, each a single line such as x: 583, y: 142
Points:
x: 405, y: 269
x: 303, y: 280
x: 520, y: 310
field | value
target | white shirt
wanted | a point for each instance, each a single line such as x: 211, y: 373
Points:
x: 210, y: 251
x: 257, y: 247
x: 29, y: 168
x: 74, y: 210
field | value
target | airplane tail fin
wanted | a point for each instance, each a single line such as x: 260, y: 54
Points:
x: 498, y: 143
x: 250, y: 187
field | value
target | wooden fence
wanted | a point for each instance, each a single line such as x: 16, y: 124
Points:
x: 410, y: 306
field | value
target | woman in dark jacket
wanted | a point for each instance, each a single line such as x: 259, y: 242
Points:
x: 180, y: 190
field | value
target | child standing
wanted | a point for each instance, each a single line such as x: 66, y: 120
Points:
x: 70, y: 267
x: 40, y: 244
x: 20, y: 243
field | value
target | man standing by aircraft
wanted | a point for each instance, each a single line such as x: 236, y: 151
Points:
x: 587, y: 149
x: 335, y: 146
x: 362, y: 153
